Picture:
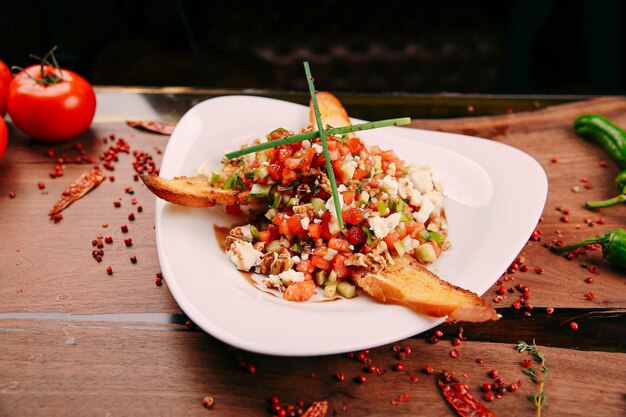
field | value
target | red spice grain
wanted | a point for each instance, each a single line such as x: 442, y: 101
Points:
x: 589, y: 280
x: 108, y: 239
x: 133, y: 259
x: 454, y: 353
x: 124, y: 228
x: 549, y: 310
x: 361, y: 379
x: 128, y: 241
x: 413, y: 378
x: 208, y: 402
x: 158, y: 282
x: 12, y: 194
x: 456, y: 341
x: 493, y: 373
x: 109, y: 270
x: 398, y: 366
x: 589, y: 296
x: 339, y: 376
x: 251, y: 369
x: 527, y: 363
x: 480, y: 361
x: 131, y: 217
x: 486, y: 387
x: 117, y: 203
x: 428, y: 370
x: 574, y: 326
x: 41, y: 185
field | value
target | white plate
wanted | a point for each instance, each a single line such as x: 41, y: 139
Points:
x: 494, y: 195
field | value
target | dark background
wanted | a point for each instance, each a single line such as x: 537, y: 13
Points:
x: 522, y: 47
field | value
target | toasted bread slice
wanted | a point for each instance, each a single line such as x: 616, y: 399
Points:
x: 194, y: 192
x: 410, y: 284
x: 332, y: 112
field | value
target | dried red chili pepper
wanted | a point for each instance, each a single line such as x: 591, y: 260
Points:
x: 76, y: 190
x: 457, y: 394
x: 163, y: 128
x: 317, y: 409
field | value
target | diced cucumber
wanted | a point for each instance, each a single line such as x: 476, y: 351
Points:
x: 262, y: 172
x: 271, y: 213
x: 320, y: 277
x: 348, y: 169
x: 330, y: 290
x: 346, y: 289
x: 262, y: 156
x: 330, y: 254
x: 254, y: 232
x: 260, y: 191
x: 294, y: 201
x: 273, y: 246
x: 319, y: 205
x: 383, y: 210
x: 214, y: 178
x: 333, y: 227
x: 426, y: 253
x: 400, y: 247
x: 332, y: 277
x: 297, y: 248
x: 436, y: 237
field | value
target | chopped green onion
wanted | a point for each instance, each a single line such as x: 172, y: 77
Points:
x: 312, y: 135
x: 322, y: 132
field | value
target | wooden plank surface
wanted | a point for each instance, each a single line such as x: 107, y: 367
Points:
x: 75, y: 338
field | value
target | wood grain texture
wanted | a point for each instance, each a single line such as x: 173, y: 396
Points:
x: 76, y: 341
x: 49, y: 369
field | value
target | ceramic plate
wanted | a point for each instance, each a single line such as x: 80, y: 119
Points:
x: 494, y: 195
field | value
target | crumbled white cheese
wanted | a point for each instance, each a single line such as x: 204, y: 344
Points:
x: 249, y: 158
x: 422, y: 181
x: 391, y: 169
x: 290, y: 276
x: 330, y: 205
x: 318, y: 221
x: 243, y: 255
x: 436, y: 197
x: 382, y: 226
x: 405, y: 186
x: 305, y: 222
x: 416, y: 198
x: 204, y: 170
x: 318, y: 148
x: 306, y: 144
x: 246, y: 232
x: 389, y: 185
x: 295, y: 259
x: 424, y: 212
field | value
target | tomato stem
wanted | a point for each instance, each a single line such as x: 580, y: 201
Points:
x: 47, y: 77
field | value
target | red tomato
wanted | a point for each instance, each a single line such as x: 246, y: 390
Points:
x: 5, y: 80
x: 4, y: 136
x: 54, y: 112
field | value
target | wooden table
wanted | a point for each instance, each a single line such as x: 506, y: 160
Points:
x: 77, y: 341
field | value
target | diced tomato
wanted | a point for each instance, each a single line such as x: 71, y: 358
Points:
x: 339, y: 266
x: 339, y: 244
x: 326, y: 218
x: 354, y: 144
x: 315, y: 230
x: 332, y: 144
x: 289, y: 176
x: 337, y: 170
x: 284, y: 152
x: 401, y: 229
x: 307, y: 158
x: 293, y: 163
x: 352, y: 215
x: 344, y: 150
x: 274, y: 233
x: 391, y: 238
x: 375, y: 150
x: 320, y: 251
x: 278, y: 218
x: 320, y: 262
x: 305, y: 266
x: 388, y: 155
x: 265, y: 236
x: 277, y: 134
x: 275, y: 171
x: 283, y: 228
x: 362, y: 172
x: 356, y: 235
x: 348, y: 197
x: 295, y: 225
x: 233, y: 209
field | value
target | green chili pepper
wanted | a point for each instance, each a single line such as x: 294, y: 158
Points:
x: 620, y: 184
x: 613, y: 245
x: 606, y: 133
